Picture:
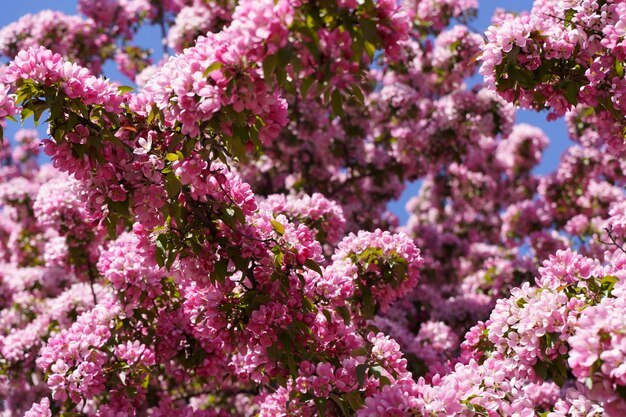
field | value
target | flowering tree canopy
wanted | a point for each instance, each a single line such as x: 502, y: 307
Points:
x: 215, y: 242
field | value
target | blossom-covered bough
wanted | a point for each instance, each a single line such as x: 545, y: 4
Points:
x: 216, y: 242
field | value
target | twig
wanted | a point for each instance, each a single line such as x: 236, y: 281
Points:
x: 163, y: 30
x: 92, y: 280
x: 609, y: 231
x: 592, y: 30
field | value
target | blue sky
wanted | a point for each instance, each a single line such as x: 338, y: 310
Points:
x: 556, y: 131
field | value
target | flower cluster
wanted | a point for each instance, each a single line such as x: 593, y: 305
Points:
x: 435, y: 15
x: 193, y: 21
x: 315, y: 211
x: 129, y: 264
x: 217, y: 243
x: 65, y: 35
x: 382, y: 266
x: 559, y: 56
x: 73, y: 357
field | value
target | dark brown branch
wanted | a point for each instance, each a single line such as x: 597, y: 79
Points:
x: 609, y: 230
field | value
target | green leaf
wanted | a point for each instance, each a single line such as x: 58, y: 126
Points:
x: 378, y: 371
x: 311, y: 264
x: 172, y: 185
x: 306, y: 303
x: 214, y: 66
x: 229, y: 216
x: 220, y: 269
x: 328, y: 316
x: 336, y: 103
x: 369, y: 30
x: 619, y: 68
x: 569, y: 15
x: 125, y: 89
x: 358, y: 94
x: 269, y: 66
x: 511, y: 57
x: 232, y: 214
x: 72, y: 121
x: 360, y: 351
x: 37, y: 112
x: 341, y: 404
x: 154, y: 111
x: 344, y: 313
x: 523, y: 76
x: 281, y: 76
x: 327, y: 90
x: 606, y: 284
x: 370, y: 49
x: 284, y: 57
x: 321, y: 405
x: 304, y: 87
x: 25, y: 114
x: 306, y: 330
x: 360, y: 373
x: 171, y: 157
x: 278, y: 227
x: 170, y: 259
x: 368, y: 306
x: 354, y: 399
x: 241, y: 218
x: 296, y: 63
x: 571, y: 93
x: 111, y: 225
x: 161, y: 249
x: 110, y: 137
x: 237, y: 147
x: 559, y: 374
x: 189, y: 146
x: 541, y: 370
